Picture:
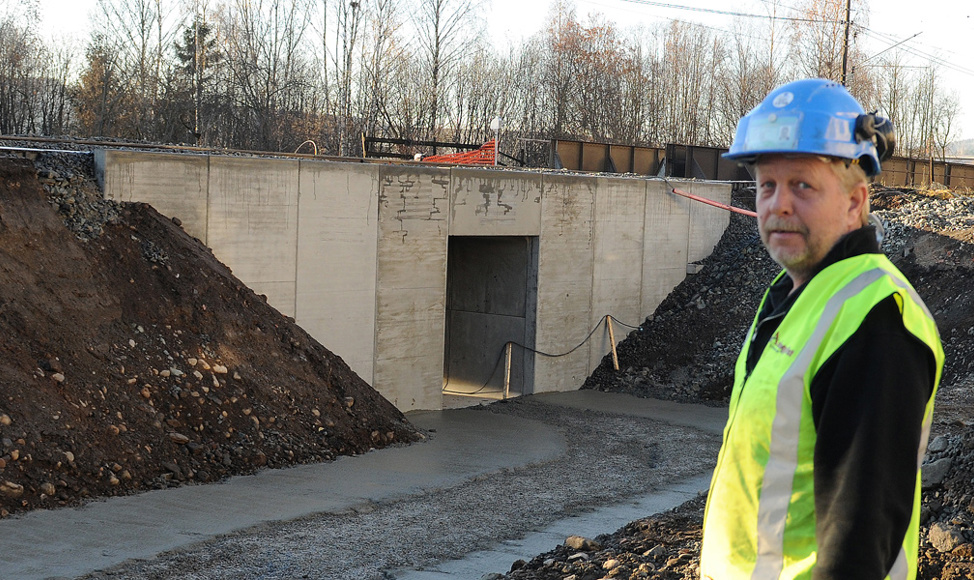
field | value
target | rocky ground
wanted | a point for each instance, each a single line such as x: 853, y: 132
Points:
x: 685, y: 351
x: 132, y: 359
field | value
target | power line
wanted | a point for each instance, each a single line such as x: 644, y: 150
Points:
x: 890, y: 48
x: 731, y: 13
x: 680, y: 21
x: 935, y: 59
x: 884, y: 38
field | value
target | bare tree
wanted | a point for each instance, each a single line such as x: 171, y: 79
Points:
x: 198, y: 57
x: 691, y: 58
x: 245, y: 75
x: 349, y: 20
x: 561, y: 67
x: 445, y: 29
x: 268, y: 71
x: 383, y: 48
x: 138, y: 33
x: 33, y: 95
x: 819, y: 38
x: 100, y: 98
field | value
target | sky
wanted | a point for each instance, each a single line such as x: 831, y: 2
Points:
x: 943, y: 28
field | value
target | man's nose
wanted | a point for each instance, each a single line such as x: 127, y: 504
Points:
x: 781, y: 201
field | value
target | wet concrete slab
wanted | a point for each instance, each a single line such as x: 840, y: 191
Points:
x: 464, y: 444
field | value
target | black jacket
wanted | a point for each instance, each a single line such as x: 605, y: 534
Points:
x: 868, y: 402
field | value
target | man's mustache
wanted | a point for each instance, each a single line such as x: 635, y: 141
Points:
x: 776, y: 225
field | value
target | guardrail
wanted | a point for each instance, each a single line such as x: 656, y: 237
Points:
x: 699, y: 162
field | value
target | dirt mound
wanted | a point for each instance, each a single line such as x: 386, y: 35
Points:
x: 132, y: 359
x: 666, y: 547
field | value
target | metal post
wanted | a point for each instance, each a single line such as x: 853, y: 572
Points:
x: 845, y: 45
x: 612, y: 340
x: 507, y: 372
x: 495, y: 124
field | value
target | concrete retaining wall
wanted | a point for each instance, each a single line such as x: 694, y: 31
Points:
x: 358, y: 253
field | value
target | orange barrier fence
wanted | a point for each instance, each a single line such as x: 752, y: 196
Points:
x: 483, y: 156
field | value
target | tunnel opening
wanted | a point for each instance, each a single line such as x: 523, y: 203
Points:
x: 491, y: 299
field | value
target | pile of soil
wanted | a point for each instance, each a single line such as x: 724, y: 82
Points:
x: 132, y: 359
x: 686, y: 351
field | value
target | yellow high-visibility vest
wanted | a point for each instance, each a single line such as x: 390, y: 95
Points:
x: 760, y: 517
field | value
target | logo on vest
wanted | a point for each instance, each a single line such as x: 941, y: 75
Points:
x: 778, y: 346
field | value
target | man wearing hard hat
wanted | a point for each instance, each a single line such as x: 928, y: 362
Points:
x: 819, y: 472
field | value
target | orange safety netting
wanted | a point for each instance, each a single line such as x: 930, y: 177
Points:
x: 482, y: 156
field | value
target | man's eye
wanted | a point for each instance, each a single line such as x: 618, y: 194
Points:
x: 803, y: 185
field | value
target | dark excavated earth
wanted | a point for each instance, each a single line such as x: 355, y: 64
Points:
x: 132, y: 359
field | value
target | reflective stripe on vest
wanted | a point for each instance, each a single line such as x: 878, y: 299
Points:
x: 777, y: 495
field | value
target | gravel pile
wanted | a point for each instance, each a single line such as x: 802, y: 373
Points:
x: 935, y: 214
x: 71, y: 188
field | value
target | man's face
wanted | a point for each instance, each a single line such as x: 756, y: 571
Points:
x: 803, y: 210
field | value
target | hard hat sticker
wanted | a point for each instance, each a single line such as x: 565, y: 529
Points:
x: 783, y: 100
x: 839, y: 130
x: 772, y: 133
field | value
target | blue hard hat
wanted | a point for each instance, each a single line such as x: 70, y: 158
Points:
x: 814, y: 117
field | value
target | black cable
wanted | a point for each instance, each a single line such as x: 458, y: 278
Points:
x: 621, y: 323
x: 578, y: 346
x: 535, y: 351
x: 731, y: 13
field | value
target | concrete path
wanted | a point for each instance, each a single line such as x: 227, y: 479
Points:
x: 68, y: 543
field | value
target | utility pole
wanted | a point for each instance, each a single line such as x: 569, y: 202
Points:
x: 845, y: 45
x: 930, y: 131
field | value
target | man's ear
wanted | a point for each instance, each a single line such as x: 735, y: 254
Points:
x: 858, y: 197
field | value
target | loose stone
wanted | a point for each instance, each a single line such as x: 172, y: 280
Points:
x: 11, y: 489
x: 178, y: 438
x: 580, y: 543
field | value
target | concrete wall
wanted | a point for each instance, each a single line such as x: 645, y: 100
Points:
x: 619, y: 230
x: 565, y: 274
x: 358, y: 254
x: 338, y: 230
x: 411, y: 285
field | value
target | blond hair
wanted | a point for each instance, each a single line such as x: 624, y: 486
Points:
x: 851, y: 176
